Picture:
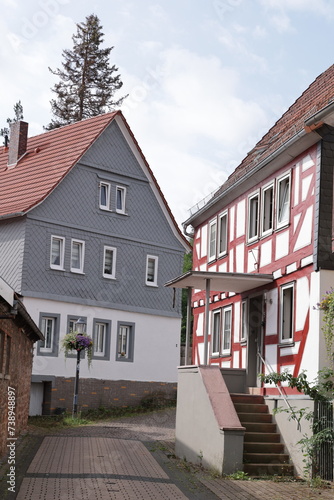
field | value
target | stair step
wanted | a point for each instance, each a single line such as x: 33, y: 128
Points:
x: 247, y: 398
x: 251, y: 447
x: 262, y: 437
x: 268, y: 458
x: 269, y: 469
x: 250, y: 408
x: 255, y: 417
x: 259, y: 427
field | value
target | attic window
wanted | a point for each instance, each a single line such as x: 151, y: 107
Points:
x: 104, y: 196
x: 57, y: 252
x: 120, y: 199
x: 283, y: 200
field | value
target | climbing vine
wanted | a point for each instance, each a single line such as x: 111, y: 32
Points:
x: 327, y: 306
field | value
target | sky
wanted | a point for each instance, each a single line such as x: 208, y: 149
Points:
x: 206, y: 78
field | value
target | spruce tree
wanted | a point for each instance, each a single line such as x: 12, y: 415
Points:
x: 87, y: 80
x: 18, y: 111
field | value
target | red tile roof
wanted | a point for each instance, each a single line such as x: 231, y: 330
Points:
x: 316, y: 97
x: 49, y: 157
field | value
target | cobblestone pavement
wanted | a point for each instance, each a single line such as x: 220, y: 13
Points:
x: 125, y: 459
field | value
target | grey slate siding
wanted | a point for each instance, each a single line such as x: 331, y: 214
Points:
x: 324, y: 257
x: 72, y: 211
x: 12, y: 234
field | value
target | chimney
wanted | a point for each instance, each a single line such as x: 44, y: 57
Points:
x: 18, y: 142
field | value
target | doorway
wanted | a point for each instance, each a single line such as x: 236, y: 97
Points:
x: 255, y: 340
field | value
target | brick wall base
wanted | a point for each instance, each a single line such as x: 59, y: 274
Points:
x: 95, y: 393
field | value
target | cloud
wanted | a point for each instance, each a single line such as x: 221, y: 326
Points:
x: 320, y: 7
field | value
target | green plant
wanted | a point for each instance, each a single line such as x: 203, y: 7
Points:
x: 75, y: 341
x: 239, y: 475
x: 320, y: 390
x: 327, y: 306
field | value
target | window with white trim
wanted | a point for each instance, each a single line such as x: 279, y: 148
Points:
x: 109, y: 262
x: 226, y: 330
x: 216, y: 332
x: 77, y: 256
x: 104, y: 195
x: 101, y: 339
x: 267, y: 220
x: 57, y: 252
x: 286, y: 313
x: 125, y: 341
x: 120, y: 199
x: 49, y: 326
x: 212, y: 240
x: 151, y: 270
x: 283, y: 200
x: 253, y: 217
x: 222, y: 234
x: 244, y: 321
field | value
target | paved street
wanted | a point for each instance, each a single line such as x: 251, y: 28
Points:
x: 130, y: 458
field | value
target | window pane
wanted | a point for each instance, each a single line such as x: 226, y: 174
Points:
x: 123, y: 341
x: 48, y: 332
x: 104, y: 195
x: 99, y: 338
x: 150, y: 269
x: 56, y: 251
x: 243, y: 321
x: 108, y: 261
x: 212, y: 240
x: 227, y: 330
x: 76, y: 255
x: 283, y: 199
x: 120, y: 199
x: 268, y: 197
x: 287, y: 313
x: 223, y: 234
x: 253, y: 217
x: 216, y: 333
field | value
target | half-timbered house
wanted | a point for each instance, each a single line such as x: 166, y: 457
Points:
x: 262, y: 259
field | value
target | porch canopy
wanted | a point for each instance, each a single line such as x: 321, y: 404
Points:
x: 218, y: 282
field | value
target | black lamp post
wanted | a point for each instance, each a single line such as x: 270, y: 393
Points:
x: 80, y: 327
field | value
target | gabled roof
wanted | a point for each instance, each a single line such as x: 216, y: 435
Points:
x: 49, y: 158
x: 302, y: 118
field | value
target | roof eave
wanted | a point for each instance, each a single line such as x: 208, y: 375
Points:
x: 289, y: 150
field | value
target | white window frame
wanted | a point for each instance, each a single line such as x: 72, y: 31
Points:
x: 148, y: 280
x: 216, y: 332
x: 48, y: 338
x: 122, y: 190
x: 281, y: 222
x: 253, y: 225
x: 265, y: 211
x: 125, y: 329
x: 226, y: 351
x: 287, y: 313
x: 81, y: 246
x: 114, y: 256
x: 222, y: 249
x: 105, y: 206
x: 60, y: 266
x: 212, y: 240
x: 99, y: 339
x: 244, y: 321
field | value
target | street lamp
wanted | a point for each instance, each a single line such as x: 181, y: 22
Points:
x: 80, y: 327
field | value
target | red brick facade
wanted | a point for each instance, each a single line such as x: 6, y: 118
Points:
x: 95, y: 393
x: 16, y: 343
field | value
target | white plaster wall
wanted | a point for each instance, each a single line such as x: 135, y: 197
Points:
x: 231, y: 218
x: 266, y: 249
x: 302, y: 302
x: 310, y: 360
x: 240, y: 258
x: 241, y: 214
x: 289, y: 429
x: 271, y: 312
x: 204, y: 241
x: 305, y: 233
x: 282, y: 245
x: 156, y: 344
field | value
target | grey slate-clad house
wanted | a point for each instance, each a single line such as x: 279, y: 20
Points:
x: 85, y: 233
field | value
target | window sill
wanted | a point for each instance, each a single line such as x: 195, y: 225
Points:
x: 151, y: 285
x: 106, y: 276
x: 57, y: 268
x: 73, y: 271
x: 288, y: 343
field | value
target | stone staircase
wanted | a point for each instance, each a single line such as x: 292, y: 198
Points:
x: 263, y: 451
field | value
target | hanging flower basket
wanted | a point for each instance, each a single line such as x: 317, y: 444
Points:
x: 78, y: 342
x: 327, y: 306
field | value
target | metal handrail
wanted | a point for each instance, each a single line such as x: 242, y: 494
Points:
x: 269, y: 368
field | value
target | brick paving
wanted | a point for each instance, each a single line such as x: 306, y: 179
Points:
x: 132, y: 458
